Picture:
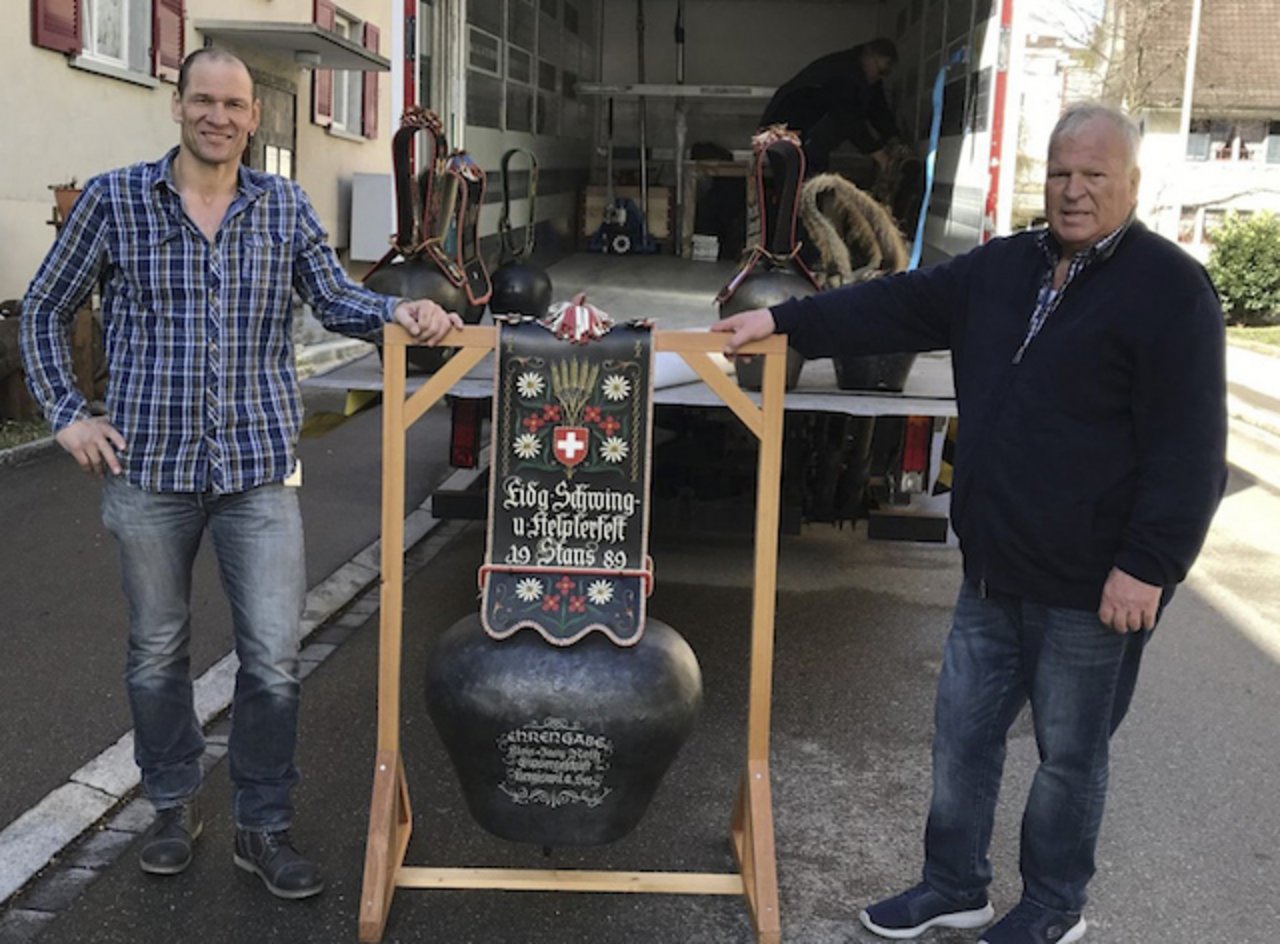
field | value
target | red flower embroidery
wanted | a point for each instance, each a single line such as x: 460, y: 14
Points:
x: 591, y: 414
x: 609, y: 425
x: 577, y: 604
x: 564, y: 584
x: 533, y: 423
x: 551, y: 603
x: 550, y: 413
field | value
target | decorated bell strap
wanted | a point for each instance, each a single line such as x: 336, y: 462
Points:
x: 415, y: 194
x: 456, y: 249
x: 414, y: 220
x: 771, y: 232
x: 567, y: 548
x: 509, y: 249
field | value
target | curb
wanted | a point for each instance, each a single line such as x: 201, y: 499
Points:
x: 102, y: 792
x: 17, y: 455
x: 312, y: 359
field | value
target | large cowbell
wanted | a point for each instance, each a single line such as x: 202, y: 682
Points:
x: 561, y: 704
x: 519, y: 286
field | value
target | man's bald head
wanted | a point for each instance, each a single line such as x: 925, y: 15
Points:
x: 208, y: 54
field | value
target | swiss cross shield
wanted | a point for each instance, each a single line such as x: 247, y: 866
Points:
x: 570, y: 444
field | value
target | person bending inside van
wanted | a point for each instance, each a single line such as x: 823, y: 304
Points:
x: 838, y: 98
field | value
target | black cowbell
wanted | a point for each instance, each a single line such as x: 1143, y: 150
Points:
x: 520, y: 288
x: 561, y: 745
x: 762, y: 289
x: 874, y: 371
x: 418, y: 278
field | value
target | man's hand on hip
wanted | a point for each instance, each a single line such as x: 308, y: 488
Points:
x: 1128, y: 604
x: 93, y: 443
x: 426, y: 321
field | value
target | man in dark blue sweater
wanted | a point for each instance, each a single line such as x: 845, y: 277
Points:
x: 837, y: 98
x: 1089, y: 374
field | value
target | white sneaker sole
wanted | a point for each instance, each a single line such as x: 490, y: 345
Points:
x: 1074, y: 934
x: 966, y: 920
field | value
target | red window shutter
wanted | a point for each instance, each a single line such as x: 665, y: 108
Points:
x: 326, y: 13
x: 322, y: 97
x: 369, y: 111
x: 325, y: 17
x: 168, y: 42
x: 55, y: 24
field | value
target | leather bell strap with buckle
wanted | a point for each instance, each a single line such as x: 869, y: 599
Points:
x: 772, y: 236
x: 456, y: 250
x: 415, y: 210
x: 509, y: 249
x: 567, y: 544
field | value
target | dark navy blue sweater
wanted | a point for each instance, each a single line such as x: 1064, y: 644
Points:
x: 1105, y: 446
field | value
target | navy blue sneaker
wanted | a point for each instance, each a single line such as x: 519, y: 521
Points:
x: 1029, y: 923
x: 911, y: 913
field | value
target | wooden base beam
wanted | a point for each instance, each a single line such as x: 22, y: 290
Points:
x: 572, y: 880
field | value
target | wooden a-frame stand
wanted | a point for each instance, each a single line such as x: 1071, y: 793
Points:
x: 751, y: 825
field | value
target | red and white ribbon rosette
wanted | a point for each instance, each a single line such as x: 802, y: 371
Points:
x: 577, y: 322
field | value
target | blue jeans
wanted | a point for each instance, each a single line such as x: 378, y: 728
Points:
x: 257, y: 537
x: 1078, y: 676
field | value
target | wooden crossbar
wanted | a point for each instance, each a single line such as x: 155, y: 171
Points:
x: 751, y: 820
x: 573, y: 880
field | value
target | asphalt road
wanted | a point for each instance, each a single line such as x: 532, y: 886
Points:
x: 62, y: 617
x: 1189, y: 847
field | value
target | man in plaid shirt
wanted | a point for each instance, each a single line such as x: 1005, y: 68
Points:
x: 198, y: 257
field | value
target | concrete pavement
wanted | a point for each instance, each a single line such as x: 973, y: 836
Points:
x: 1253, y: 387
x: 1190, y: 831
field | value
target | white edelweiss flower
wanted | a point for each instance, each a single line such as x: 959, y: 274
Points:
x: 613, y: 449
x: 600, y: 592
x: 527, y: 445
x: 616, y: 387
x: 530, y: 384
x: 529, y: 589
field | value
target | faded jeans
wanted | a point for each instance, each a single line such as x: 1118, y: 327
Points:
x: 257, y: 538
x: 1078, y: 676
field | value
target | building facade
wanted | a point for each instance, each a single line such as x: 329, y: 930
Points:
x: 90, y: 84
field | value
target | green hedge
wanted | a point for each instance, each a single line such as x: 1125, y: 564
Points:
x: 1245, y: 266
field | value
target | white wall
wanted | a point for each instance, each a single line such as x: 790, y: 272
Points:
x: 61, y: 123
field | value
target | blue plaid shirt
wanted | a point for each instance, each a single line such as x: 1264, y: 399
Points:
x: 198, y: 334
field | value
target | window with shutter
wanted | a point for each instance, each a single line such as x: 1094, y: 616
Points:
x: 325, y: 17
x: 348, y: 88
x: 116, y: 35
x: 168, y: 42
x: 55, y: 24
x: 369, y: 113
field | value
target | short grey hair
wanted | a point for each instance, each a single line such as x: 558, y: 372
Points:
x: 1080, y: 113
